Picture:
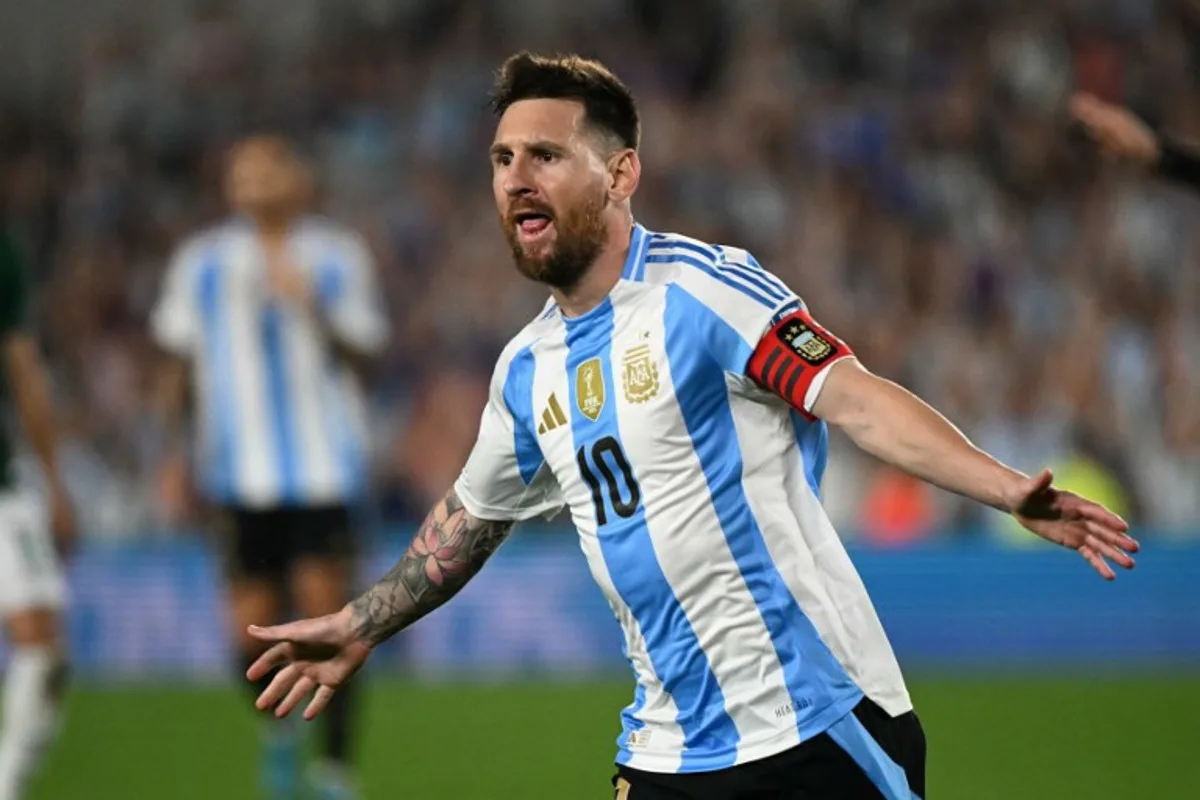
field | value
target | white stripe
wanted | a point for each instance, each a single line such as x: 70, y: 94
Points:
x: 312, y: 413
x: 734, y: 275
x: 735, y: 256
x: 254, y: 444
x: 693, y: 552
x: 664, y: 747
x: 810, y: 556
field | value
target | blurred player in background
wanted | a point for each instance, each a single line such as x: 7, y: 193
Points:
x: 1123, y: 135
x: 673, y: 396
x: 272, y: 315
x: 32, y: 589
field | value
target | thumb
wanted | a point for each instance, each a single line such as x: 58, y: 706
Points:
x: 300, y: 631
x: 1038, y: 483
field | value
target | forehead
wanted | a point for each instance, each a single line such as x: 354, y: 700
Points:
x: 260, y: 151
x: 543, y: 120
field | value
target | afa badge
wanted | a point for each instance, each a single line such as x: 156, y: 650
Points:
x: 807, y: 343
x: 589, y: 388
x: 639, y: 377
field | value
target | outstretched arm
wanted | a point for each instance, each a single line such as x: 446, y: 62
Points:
x: 1122, y: 134
x: 897, y: 427
x: 448, y: 550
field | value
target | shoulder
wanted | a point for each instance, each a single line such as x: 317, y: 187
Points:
x: 209, y: 240
x: 518, y: 353
x: 717, y: 275
x: 328, y: 231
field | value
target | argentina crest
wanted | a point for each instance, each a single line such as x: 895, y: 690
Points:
x: 639, y: 375
x: 589, y: 388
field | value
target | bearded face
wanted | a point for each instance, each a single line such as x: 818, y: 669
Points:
x: 555, y: 246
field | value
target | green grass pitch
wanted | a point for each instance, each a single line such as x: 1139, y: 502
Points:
x: 1057, y: 739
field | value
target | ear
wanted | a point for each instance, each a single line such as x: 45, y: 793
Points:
x: 624, y: 173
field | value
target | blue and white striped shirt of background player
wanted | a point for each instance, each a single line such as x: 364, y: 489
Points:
x: 694, y: 492
x: 281, y: 422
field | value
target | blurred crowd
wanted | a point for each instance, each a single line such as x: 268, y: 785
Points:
x: 904, y: 165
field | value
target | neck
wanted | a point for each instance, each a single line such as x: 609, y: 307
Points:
x: 601, y: 276
x: 273, y: 224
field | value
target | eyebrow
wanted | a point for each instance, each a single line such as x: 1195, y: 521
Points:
x: 539, y: 146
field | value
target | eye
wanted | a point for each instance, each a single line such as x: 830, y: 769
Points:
x: 503, y: 159
x: 546, y: 158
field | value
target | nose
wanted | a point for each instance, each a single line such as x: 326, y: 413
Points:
x: 517, y: 180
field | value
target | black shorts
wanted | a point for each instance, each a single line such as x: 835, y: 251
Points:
x: 866, y: 756
x: 267, y: 543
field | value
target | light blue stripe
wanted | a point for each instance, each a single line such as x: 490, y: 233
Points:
x: 518, y: 397
x: 812, y: 437
x: 221, y: 469
x: 633, y: 260
x: 710, y: 269
x: 283, y: 416
x: 710, y: 735
x: 331, y: 283
x: 756, y: 275
x: 715, y: 256
x: 888, y: 776
x: 820, y: 689
x: 348, y: 448
x: 641, y: 265
x: 630, y: 722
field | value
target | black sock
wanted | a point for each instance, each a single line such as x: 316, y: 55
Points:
x: 339, y: 719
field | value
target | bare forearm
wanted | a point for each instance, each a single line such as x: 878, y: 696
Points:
x: 448, y: 550
x: 896, y: 426
x: 31, y: 397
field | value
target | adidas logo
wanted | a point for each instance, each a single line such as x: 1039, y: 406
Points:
x: 552, y: 417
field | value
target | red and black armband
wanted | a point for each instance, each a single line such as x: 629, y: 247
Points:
x: 790, y: 357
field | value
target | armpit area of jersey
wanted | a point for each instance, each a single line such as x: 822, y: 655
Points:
x: 791, y: 356
x: 1179, y: 161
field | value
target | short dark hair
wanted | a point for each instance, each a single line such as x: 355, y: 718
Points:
x: 608, y: 103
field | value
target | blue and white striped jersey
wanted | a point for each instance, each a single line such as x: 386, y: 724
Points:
x: 694, y: 492
x: 281, y: 421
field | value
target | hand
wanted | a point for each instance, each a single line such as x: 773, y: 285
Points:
x: 286, y: 280
x: 319, y: 653
x: 1071, y: 521
x: 62, y: 520
x: 1117, y: 130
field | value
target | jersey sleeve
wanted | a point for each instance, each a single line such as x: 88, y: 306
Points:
x: 174, y: 321
x: 14, y: 288
x: 506, y: 476
x: 348, y: 292
x: 793, y: 359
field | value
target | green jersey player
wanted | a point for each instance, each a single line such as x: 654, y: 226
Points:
x: 31, y: 582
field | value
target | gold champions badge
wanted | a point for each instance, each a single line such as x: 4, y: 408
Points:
x: 589, y: 388
x: 640, y: 375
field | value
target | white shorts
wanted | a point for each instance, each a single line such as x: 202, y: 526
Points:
x: 31, y: 575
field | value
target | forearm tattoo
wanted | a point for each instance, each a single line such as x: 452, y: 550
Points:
x: 449, y: 548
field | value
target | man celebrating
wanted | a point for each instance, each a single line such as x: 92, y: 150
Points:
x: 673, y: 396
x: 272, y: 312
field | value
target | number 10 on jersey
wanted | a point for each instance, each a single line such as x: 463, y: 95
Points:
x: 606, y: 457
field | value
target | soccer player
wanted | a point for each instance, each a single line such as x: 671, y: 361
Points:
x: 32, y: 588
x: 1122, y: 134
x: 673, y: 396
x: 274, y: 312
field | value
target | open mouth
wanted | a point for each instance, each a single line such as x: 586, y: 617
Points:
x: 532, y: 223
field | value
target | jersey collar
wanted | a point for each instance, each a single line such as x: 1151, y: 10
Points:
x: 635, y: 262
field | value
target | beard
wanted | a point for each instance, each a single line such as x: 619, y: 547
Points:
x: 579, y: 237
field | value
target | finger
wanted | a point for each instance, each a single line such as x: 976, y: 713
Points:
x: 1037, y: 484
x: 320, y: 700
x: 1098, y: 513
x: 298, y: 693
x: 1106, y: 550
x: 1113, y: 536
x: 300, y: 631
x: 278, y: 687
x: 281, y: 653
x: 1097, y: 563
